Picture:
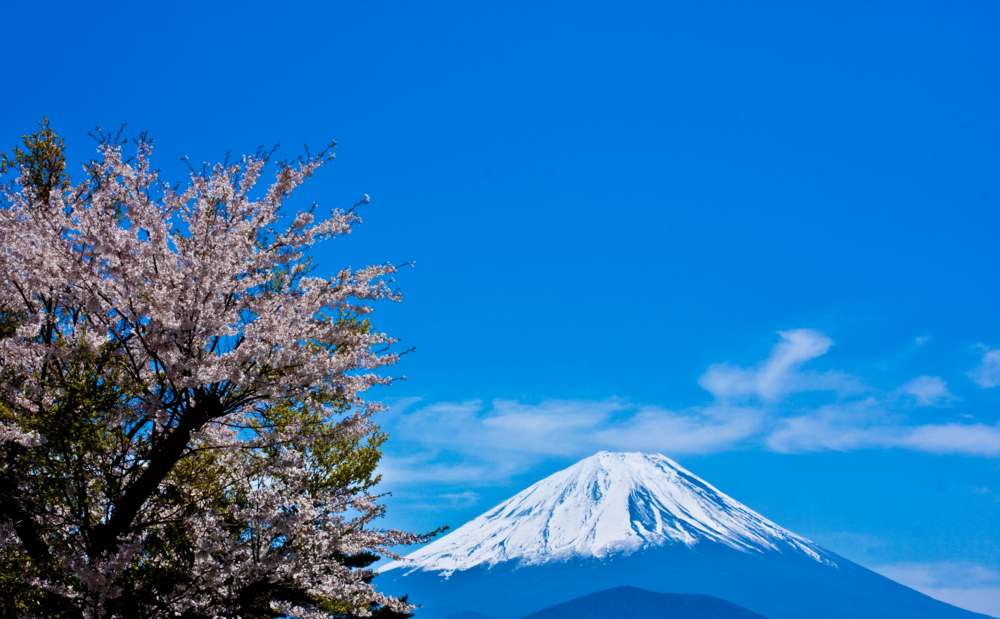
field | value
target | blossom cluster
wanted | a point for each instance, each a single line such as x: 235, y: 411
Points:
x: 179, y: 378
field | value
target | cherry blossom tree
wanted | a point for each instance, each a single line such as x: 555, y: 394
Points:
x: 183, y: 424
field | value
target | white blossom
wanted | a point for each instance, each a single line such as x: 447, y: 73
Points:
x: 200, y: 302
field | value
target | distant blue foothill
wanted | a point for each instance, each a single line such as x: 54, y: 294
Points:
x: 634, y: 602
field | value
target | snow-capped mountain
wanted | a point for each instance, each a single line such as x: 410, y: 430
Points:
x: 640, y: 520
x: 609, y: 503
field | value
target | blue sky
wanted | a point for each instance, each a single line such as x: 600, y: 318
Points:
x: 760, y: 238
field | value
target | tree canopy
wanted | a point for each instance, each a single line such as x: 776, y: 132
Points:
x: 183, y: 427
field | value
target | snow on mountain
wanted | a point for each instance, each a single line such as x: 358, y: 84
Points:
x: 607, y: 504
x: 638, y: 520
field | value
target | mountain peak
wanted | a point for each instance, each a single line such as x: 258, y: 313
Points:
x: 604, y: 505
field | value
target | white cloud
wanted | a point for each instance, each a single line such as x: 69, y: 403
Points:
x: 987, y: 373
x: 491, y: 443
x: 424, y: 467
x: 696, y: 431
x: 928, y: 390
x: 972, y: 439
x: 781, y: 374
x: 966, y: 585
x: 452, y: 442
x: 553, y: 427
x: 844, y: 429
x: 856, y: 425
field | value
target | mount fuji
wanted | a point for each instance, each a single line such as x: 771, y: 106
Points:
x: 640, y: 520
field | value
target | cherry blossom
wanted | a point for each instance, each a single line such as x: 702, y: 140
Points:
x: 178, y: 373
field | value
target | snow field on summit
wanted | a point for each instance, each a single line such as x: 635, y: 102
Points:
x: 604, y: 505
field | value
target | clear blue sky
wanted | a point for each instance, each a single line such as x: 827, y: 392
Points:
x: 616, y: 210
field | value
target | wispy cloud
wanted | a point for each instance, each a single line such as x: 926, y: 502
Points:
x: 965, y: 585
x: 928, y: 391
x: 987, y: 373
x: 958, y: 438
x: 830, y: 432
x: 781, y: 373
x: 503, y: 438
x: 698, y: 430
x: 453, y: 442
x: 426, y: 466
x: 553, y: 427
x: 856, y: 425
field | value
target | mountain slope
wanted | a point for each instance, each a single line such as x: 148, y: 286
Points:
x: 641, y: 520
x: 603, y: 505
x: 633, y: 602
